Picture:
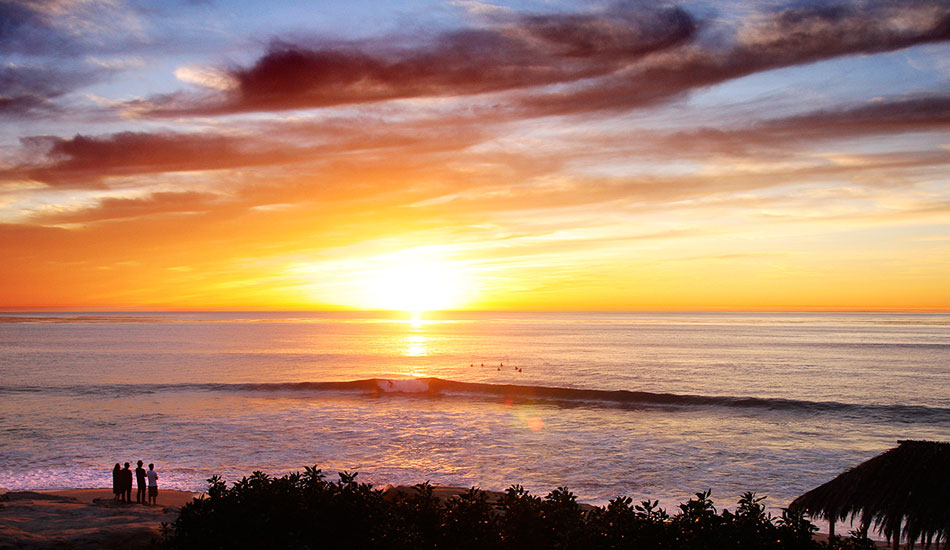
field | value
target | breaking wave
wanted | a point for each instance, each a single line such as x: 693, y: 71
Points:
x: 559, y: 396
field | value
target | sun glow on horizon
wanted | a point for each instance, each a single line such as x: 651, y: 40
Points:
x: 415, y: 280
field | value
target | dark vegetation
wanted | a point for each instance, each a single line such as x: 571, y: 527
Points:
x: 901, y: 492
x: 306, y: 511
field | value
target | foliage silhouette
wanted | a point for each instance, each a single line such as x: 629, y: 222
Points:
x: 307, y: 511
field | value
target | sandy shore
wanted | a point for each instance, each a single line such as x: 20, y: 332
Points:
x: 83, y: 518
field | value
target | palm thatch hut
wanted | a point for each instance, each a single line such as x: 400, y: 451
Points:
x: 904, y: 491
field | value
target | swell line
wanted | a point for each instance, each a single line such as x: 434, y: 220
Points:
x: 561, y: 396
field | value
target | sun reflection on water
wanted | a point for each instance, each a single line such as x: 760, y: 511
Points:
x: 416, y: 346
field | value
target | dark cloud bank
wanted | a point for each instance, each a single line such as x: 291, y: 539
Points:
x: 622, y: 58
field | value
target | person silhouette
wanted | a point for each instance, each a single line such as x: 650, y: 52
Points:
x: 126, y: 483
x: 140, y: 484
x: 116, y: 482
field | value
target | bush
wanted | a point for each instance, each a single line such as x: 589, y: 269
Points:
x: 306, y: 511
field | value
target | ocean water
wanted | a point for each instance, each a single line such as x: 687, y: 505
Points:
x: 648, y: 405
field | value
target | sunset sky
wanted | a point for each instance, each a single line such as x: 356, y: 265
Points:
x: 538, y: 155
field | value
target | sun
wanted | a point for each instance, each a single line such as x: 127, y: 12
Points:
x: 413, y: 280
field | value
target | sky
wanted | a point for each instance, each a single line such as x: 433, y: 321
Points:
x: 417, y: 155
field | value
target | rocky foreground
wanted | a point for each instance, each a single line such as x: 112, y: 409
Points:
x: 84, y: 518
x: 91, y: 519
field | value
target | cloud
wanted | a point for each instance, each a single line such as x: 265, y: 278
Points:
x: 29, y: 91
x: 48, y: 34
x: 25, y: 30
x: 626, y: 57
x: 645, y: 193
x: 121, y: 63
x: 24, y: 105
x: 884, y: 115
x: 531, y: 51
x: 83, y: 159
x: 320, y: 146
x: 207, y: 77
x: 781, y: 136
x: 790, y: 37
x: 65, y: 28
x: 101, y: 25
x: 434, y: 160
x: 474, y: 7
x: 112, y: 208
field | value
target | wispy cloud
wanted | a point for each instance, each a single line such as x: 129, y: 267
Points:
x: 30, y: 90
x: 26, y: 29
x: 533, y: 51
x: 623, y: 58
x: 208, y: 77
x: 86, y: 161
x: 113, y: 208
x: 790, y: 37
x: 784, y: 136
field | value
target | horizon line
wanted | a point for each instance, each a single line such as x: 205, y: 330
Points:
x: 803, y: 309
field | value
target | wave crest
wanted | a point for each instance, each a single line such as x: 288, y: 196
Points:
x: 559, y: 396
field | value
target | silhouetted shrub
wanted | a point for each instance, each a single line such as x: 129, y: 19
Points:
x: 306, y: 511
x: 471, y: 521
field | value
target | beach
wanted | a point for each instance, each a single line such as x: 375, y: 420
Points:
x: 83, y: 518
x: 89, y: 518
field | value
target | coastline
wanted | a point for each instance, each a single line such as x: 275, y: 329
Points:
x: 84, y: 518
x: 88, y: 517
x: 581, y: 416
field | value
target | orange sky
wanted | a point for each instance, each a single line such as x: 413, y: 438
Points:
x: 517, y: 156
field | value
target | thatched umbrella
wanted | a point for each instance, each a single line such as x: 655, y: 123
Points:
x: 904, y: 489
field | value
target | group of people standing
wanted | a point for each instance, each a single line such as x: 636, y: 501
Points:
x: 122, y: 484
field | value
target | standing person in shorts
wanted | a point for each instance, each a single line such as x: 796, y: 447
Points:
x: 152, y: 484
x: 140, y: 483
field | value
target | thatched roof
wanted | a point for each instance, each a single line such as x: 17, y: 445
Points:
x: 908, y: 484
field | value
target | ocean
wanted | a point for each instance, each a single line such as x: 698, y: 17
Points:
x: 648, y: 405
